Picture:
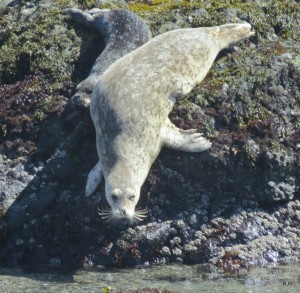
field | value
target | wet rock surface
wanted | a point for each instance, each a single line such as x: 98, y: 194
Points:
x: 237, y: 205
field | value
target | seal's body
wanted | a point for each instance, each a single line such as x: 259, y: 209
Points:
x: 122, y: 31
x: 131, y: 103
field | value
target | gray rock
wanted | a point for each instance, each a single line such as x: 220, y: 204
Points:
x: 236, y: 205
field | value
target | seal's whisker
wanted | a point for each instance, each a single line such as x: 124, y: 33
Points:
x: 104, y: 210
x: 141, y: 211
x: 109, y: 220
x: 138, y: 218
x: 132, y: 221
x: 105, y: 214
x: 141, y: 215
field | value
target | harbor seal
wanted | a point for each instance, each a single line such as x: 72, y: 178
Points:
x: 131, y: 102
x: 122, y: 31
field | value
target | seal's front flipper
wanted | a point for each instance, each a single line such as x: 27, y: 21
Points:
x: 183, y: 140
x: 94, y: 179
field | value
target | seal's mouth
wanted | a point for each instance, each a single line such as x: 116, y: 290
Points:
x: 112, y: 217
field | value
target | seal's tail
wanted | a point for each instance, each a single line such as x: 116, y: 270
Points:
x: 229, y: 34
x: 86, y: 18
x: 80, y: 16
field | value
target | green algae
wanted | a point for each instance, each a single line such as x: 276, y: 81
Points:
x: 222, y: 90
x: 267, y: 17
x: 36, y: 45
x: 106, y: 4
x: 235, y: 84
x: 157, y: 6
x: 46, y: 44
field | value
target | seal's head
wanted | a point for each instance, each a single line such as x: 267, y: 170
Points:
x: 122, y: 194
x: 83, y: 92
x: 122, y: 202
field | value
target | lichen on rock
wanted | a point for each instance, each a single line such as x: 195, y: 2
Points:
x: 234, y: 206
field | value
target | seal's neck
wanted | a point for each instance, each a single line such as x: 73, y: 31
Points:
x: 126, y: 174
x: 120, y: 175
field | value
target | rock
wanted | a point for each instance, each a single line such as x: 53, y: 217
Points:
x: 111, y: 4
x: 15, y: 217
x: 168, y: 26
x: 235, y: 206
x: 165, y: 251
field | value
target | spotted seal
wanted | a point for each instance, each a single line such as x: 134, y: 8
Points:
x: 131, y: 102
x: 122, y: 31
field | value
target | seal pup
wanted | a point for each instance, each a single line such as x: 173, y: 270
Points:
x: 131, y: 102
x: 122, y: 31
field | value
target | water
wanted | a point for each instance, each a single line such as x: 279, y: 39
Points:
x: 177, y: 278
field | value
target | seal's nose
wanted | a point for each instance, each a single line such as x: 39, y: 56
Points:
x: 81, y: 99
x: 122, y: 211
x: 75, y: 99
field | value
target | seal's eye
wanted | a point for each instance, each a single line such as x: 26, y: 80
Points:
x: 114, y: 197
x: 88, y: 91
x: 132, y: 197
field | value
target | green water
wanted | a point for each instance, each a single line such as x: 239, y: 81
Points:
x: 178, y: 278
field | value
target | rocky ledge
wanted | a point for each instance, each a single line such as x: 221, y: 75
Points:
x: 237, y: 205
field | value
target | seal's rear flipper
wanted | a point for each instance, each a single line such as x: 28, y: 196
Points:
x: 96, y: 11
x: 85, y: 18
x: 229, y: 34
x: 94, y: 179
x: 183, y: 140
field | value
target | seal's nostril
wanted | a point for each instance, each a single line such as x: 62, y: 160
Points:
x: 75, y: 99
x: 122, y: 211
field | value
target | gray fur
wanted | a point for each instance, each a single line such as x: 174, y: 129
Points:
x: 122, y: 31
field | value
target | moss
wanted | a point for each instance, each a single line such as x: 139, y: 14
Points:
x: 42, y: 44
x: 158, y: 6
x: 3, y: 128
x: 37, y: 45
x: 267, y: 17
x: 88, y: 4
x: 38, y: 115
x: 25, y: 105
x: 236, y: 84
x: 188, y: 115
x: 106, y: 4
x: 262, y: 15
x: 235, y: 91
